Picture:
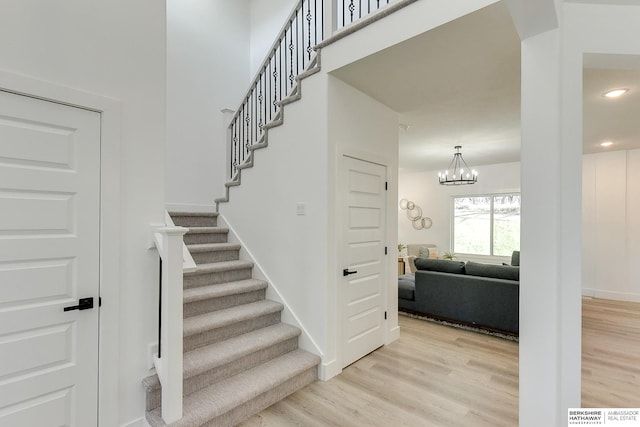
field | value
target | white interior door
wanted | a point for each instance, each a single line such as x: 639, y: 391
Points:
x: 363, y: 258
x: 49, y: 258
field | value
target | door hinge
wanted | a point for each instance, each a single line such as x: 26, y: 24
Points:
x: 385, y: 315
x: 99, y: 301
x: 386, y: 186
x: 385, y: 250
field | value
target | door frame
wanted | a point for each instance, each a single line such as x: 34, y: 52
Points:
x: 110, y: 141
x: 391, y: 328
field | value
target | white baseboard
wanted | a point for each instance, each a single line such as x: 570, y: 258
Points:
x: 328, y: 370
x: 617, y: 296
x: 140, y: 422
x: 187, y: 207
x: 393, y: 334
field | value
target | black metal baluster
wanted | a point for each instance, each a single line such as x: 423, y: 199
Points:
x: 299, y: 37
x: 352, y: 7
x: 309, y: 31
x: 282, y: 77
x: 259, y: 105
x: 315, y: 23
x: 247, y: 120
x: 236, y: 154
x: 160, y: 312
x: 343, y: 13
x: 291, y: 76
x: 323, y: 18
x: 268, y: 79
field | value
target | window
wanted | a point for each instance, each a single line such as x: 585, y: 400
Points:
x: 486, y: 225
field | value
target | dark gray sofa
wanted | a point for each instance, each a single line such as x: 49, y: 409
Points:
x: 481, y: 295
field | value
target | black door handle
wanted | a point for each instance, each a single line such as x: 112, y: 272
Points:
x: 346, y: 272
x: 83, y: 304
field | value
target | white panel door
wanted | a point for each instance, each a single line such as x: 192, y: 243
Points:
x: 49, y: 258
x: 363, y: 256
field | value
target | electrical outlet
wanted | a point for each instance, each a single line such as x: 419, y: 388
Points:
x: 301, y: 208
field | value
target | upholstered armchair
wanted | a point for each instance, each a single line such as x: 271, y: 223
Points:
x: 418, y: 250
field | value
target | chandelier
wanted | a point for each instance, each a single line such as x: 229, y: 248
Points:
x: 458, y: 173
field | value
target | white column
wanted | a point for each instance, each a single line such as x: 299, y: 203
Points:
x: 549, y: 307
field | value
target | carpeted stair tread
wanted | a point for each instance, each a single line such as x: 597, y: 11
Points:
x: 209, y: 357
x: 208, y: 230
x: 221, y: 318
x: 211, y: 247
x: 206, y: 404
x: 196, y: 214
x: 216, y: 267
x: 221, y: 353
x: 223, y: 289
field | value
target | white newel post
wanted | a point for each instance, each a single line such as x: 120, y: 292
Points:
x: 169, y: 365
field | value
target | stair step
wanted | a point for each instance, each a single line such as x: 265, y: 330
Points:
x: 205, y: 329
x: 218, y: 272
x: 207, y: 365
x: 235, y: 399
x: 197, y: 235
x: 194, y: 219
x: 209, y: 298
x: 214, y: 252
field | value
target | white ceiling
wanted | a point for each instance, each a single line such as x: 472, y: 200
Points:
x: 459, y: 84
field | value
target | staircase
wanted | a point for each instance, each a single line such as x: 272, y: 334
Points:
x: 238, y: 357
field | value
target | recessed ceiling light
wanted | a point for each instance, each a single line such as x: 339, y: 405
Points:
x: 615, y: 93
x: 606, y: 144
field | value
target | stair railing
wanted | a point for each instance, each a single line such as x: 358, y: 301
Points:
x: 292, y: 53
x: 349, y: 11
x: 168, y: 240
x: 289, y: 56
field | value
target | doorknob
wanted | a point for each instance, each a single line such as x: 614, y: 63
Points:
x: 83, y: 304
x: 346, y: 272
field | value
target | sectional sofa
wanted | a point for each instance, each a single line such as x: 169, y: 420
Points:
x: 481, y: 295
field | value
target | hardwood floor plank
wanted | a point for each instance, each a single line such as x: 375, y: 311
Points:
x: 436, y: 375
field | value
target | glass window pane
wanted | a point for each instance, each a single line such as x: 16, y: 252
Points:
x: 472, y: 226
x: 506, y: 224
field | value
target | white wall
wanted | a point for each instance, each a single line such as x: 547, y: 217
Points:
x: 291, y: 250
x: 611, y: 222
x: 113, y: 48
x: 207, y: 71
x: 423, y: 188
x: 266, y: 19
x: 360, y: 127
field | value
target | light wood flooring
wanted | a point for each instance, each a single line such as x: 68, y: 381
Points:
x: 436, y: 375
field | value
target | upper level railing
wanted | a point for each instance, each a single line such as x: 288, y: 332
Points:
x: 351, y: 11
x: 292, y: 53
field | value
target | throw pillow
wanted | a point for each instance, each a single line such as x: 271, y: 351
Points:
x: 515, y: 258
x: 424, y: 252
x: 440, y: 265
x: 495, y: 271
